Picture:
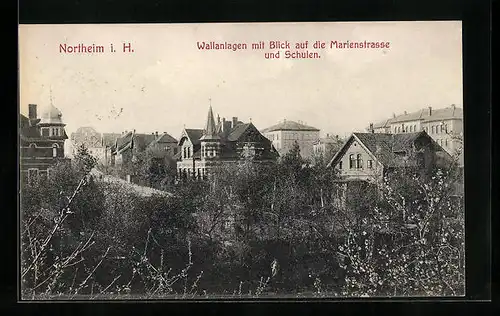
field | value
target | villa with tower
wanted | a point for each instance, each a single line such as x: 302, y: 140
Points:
x: 41, y: 141
x: 221, y: 141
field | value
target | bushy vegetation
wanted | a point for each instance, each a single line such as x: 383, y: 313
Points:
x: 250, y: 230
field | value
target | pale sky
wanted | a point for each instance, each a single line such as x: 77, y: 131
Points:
x: 166, y: 83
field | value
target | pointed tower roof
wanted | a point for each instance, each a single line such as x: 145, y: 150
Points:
x: 210, y: 131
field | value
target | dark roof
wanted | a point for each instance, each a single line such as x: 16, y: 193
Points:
x: 166, y: 138
x: 385, y: 147
x: 29, y: 129
x: 109, y: 139
x: 194, y: 135
x: 123, y: 141
x: 26, y: 130
x: 230, y: 139
x: 140, y: 141
x: 289, y: 126
x: 236, y: 132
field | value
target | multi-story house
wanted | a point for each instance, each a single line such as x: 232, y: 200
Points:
x: 371, y: 156
x: 285, y: 134
x: 41, y: 141
x: 327, y: 146
x: 99, y: 145
x: 128, y: 146
x: 218, y: 143
x: 444, y: 125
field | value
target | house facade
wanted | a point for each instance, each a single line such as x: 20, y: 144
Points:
x: 41, y: 141
x: 327, y: 146
x: 285, y: 134
x: 99, y: 145
x: 226, y: 141
x: 444, y: 125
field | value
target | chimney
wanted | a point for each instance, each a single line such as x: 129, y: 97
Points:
x: 327, y: 135
x: 405, y: 113
x: 453, y: 106
x: 235, y: 120
x: 156, y: 134
x: 371, y: 128
x: 430, y: 110
x: 218, y: 119
x: 393, y: 115
x: 32, y: 111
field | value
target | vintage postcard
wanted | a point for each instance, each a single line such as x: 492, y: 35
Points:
x: 241, y: 161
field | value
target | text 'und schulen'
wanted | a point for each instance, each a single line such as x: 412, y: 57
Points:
x: 298, y: 50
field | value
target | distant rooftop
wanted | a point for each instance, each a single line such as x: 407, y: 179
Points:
x: 290, y: 126
x: 425, y: 115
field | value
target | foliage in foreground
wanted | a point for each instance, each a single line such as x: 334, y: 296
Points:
x: 219, y: 237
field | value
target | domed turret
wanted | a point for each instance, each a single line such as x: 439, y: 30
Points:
x: 51, y: 116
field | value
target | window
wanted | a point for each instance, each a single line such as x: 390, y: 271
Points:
x: 54, y: 150
x: 340, y: 164
x: 432, y: 129
x: 31, y: 150
x: 45, y: 132
x: 411, y: 128
x: 446, y: 142
x: 351, y: 161
x: 359, y: 161
x: 369, y: 164
x: 414, y: 128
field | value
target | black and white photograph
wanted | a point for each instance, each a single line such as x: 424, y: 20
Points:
x: 235, y: 161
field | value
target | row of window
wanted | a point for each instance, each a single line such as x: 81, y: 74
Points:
x: 441, y: 128
x: 405, y: 129
x: 292, y: 136
x: 52, y: 131
x: 442, y: 142
x: 31, y: 150
x: 356, y: 162
x: 186, y: 152
x: 187, y: 172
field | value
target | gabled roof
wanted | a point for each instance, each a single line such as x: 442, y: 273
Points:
x: 384, y: 147
x: 194, y: 135
x: 236, y: 132
x: 289, y: 126
x: 166, y: 138
x: 109, y: 139
x: 131, y: 139
x: 328, y: 140
x: 26, y: 129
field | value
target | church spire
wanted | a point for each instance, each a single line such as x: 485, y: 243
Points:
x: 210, y: 127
